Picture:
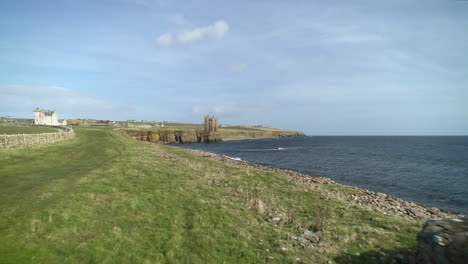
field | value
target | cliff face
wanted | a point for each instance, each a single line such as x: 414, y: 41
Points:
x: 174, y: 136
x: 260, y: 134
x: 171, y: 136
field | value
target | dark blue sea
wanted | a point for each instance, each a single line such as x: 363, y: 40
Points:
x: 427, y: 170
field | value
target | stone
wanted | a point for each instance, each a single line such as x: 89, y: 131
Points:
x: 311, y: 236
x: 302, y: 240
x: 260, y: 206
x: 443, y: 241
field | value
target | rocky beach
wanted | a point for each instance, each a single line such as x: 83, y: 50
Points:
x: 376, y: 201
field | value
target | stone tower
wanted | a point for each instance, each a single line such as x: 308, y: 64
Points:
x: 211, y: 124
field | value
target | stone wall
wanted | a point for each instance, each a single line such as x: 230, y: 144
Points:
x: 18, y: 140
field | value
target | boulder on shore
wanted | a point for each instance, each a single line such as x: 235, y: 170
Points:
x: 443, y: 241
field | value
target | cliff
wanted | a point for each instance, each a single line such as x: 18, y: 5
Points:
x: 193, y: 134
x: 170, y: 136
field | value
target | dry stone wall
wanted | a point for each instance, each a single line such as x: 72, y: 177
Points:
x: 19, y: 140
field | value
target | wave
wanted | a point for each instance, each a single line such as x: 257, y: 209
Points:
x: 233, y: 158
x: 268, y: 149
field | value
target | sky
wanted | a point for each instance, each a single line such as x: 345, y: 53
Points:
x: 395, y: 67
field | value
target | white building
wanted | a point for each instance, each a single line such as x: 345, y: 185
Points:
x: 47, y: 117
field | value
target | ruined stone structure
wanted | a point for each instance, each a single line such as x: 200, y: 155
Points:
x: 211, y: 124
x: 47, y: 117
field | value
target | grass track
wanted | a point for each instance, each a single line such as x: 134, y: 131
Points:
x: 105, y: 198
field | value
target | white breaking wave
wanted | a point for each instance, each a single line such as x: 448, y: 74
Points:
x: 233, y: 158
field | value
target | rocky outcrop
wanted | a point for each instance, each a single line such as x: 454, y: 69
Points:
x: 173, y: 136
x: 288, y: 134
x: 170, y: 136
x: 443, y: 241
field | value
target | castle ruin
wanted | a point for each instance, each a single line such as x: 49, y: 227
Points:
x: 211, y: 124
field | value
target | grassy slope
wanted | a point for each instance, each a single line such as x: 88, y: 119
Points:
x: 9, y: 130
x: 248, y: 132
x: 105, y: 198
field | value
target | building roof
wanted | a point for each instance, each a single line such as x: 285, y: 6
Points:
x: 46, y: 112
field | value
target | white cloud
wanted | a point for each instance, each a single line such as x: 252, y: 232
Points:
x: 21, y: 100
x: 165, y: 39
x: 217, y: 30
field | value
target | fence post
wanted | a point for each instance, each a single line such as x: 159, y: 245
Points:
x: 6, y: 141
x: 24, y: 140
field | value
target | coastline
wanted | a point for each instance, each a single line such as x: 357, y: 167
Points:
x: 175, y: 135
x: 110, y: 189
x: 375, y: 201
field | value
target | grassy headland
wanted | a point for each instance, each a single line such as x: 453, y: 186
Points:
x: 192, y: 133
x: 249, y: 132
x: 106, y: 198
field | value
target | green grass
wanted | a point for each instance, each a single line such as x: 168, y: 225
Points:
x: 11, y: 130
x: 240, y: 128
x: 105, y: 198
x: 183, y: 125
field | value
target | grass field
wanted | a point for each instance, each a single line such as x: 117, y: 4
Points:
x: 105, y: 198
x: 184, y: 126
x: 11, y: 130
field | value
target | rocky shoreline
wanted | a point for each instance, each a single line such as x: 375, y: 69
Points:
x: 375, y: 201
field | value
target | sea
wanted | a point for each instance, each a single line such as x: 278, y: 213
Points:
x: 428, y: 170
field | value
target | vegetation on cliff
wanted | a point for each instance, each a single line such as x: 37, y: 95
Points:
x: 107, y: 198
x: 193, y: 133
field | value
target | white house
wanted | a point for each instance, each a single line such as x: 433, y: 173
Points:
x: 47, y: 117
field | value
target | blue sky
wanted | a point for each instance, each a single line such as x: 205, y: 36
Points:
x: 322, y: 67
